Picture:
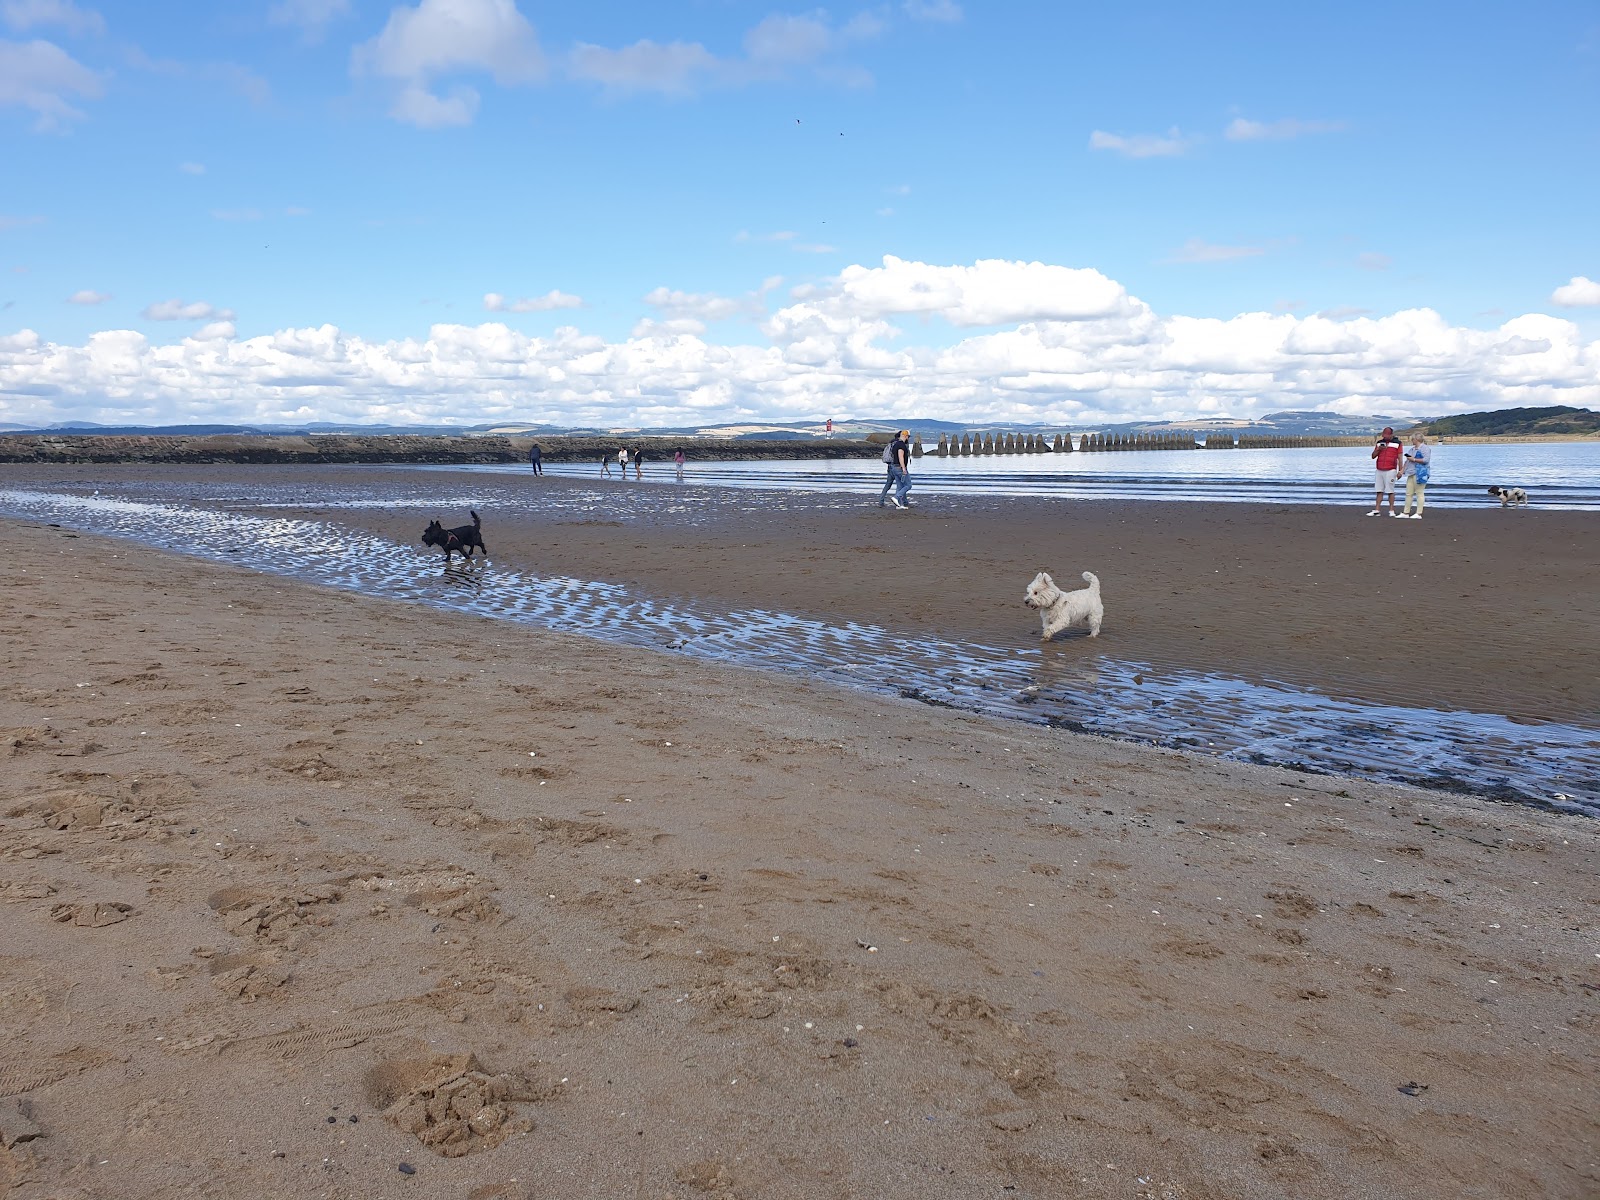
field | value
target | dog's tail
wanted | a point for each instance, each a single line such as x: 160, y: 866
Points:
x: 477, y: 521
x: 1092, y: 580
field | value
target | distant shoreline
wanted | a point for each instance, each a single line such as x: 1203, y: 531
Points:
x: 332, y: 449
x: 1511, y: 438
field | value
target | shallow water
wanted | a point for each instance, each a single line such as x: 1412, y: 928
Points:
x: 1069, y: 685
x: 1562, y: 475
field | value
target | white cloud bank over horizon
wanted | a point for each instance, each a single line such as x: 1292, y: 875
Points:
x: 1016, y: 341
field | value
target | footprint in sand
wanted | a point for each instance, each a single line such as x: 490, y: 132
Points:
x: 450, y: 1103
x: 91, y: 915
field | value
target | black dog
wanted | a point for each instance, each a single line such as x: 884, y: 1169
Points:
x: 1510, y: 496
x: 462, y: 538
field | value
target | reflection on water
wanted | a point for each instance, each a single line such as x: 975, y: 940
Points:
x: 467, y: 574
x: 1069, y: 684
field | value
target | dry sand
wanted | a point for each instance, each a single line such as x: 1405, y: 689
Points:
x: 279, y: 860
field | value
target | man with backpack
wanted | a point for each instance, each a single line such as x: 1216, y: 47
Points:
x: 897, y: 458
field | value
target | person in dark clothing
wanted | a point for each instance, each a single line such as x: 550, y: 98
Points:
x: 536, y: 459
x: 898, y: 460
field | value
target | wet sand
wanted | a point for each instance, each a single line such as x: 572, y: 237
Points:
x: 586, y: 921
x: 1483, y: 610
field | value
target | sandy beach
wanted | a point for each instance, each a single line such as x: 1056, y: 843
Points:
x: 311, y: 894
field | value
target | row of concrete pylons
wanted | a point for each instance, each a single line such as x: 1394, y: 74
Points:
x: 1061, y: 443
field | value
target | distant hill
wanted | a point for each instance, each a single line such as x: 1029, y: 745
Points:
x: 89, y: 427
x: 1519, y: 422
x: 1511, y: 421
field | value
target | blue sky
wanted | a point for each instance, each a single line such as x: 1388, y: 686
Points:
x: 628, y: 213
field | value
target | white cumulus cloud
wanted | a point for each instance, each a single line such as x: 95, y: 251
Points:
x: 669, y: 68
x: 416, y: 105
x: 1015, y: 341
x: 679, y: 307
x: 1197, y: 250
x: 1243, y: 130
x: 311, y: 17
x: 40, y: 76
x: 990, y: 292
x: 1142, y: 145
x: 789, y: 39
x: 30, y: 14
x: 495, y: 302
x: 932, y: 10
x: 88, y: 296
x: 774, y: 47
x: 1581, y: 292
x: 177, y: 310
x: 439, y: 38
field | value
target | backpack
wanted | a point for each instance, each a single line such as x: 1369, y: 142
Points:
x: 888, y: 454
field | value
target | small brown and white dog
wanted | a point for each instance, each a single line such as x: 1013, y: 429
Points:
x: 1058, y: 609
x: 1510, y: 497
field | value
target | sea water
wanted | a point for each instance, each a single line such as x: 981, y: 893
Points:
x: 1555, y: 474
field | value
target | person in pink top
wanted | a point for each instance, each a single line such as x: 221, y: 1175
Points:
x: 1386, y: 458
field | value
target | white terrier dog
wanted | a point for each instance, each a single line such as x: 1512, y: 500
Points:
x: 1058, y: 609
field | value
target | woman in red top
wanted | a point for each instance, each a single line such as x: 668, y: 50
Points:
x: 1386, y: 458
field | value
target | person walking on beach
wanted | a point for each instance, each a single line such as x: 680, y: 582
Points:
x: 638, y: 462
x: 622, y: 460
x: 1417, y: 467
x: 1386, y: 458
x: 536, y: 459
x: 678, y: 461
x: 897, y: 458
